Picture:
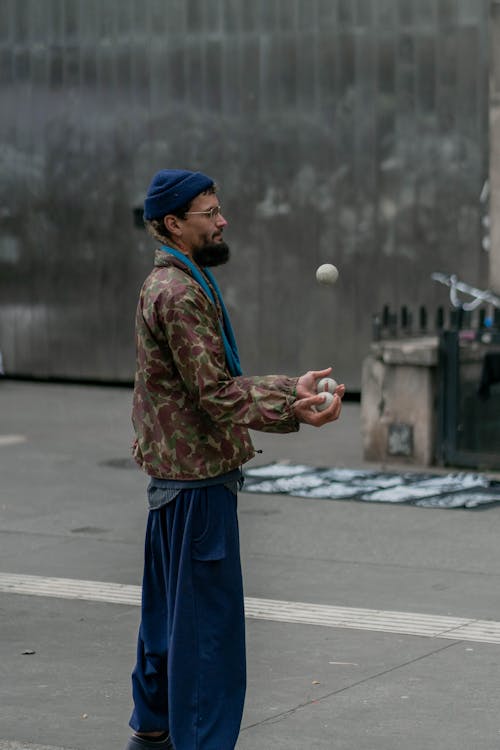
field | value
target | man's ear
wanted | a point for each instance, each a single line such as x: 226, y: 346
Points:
x: 172, y: 225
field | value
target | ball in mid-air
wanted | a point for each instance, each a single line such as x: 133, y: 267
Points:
x: 327, y: 400
x: 326, y: 385
x: 327, y: 273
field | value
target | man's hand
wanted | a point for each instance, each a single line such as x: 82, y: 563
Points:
x: 307, y: 398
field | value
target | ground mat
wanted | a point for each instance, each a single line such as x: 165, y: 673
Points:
x: 456, y: 490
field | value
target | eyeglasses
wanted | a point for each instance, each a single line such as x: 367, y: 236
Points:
x: 212, y: 213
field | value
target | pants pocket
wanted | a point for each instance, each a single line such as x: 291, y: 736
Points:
x: 209, y: 523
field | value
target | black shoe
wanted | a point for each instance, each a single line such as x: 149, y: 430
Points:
x: 145, y: 743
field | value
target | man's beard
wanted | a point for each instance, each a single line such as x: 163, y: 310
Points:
x: 211, y: 254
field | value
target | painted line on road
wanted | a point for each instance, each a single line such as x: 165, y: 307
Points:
x: 17, y: 745
x: 404, y: 623
x: 12, y: 439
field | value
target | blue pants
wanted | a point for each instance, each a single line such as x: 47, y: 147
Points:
x: 190, y: 675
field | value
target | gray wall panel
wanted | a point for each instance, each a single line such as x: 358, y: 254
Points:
x: 350, y: 132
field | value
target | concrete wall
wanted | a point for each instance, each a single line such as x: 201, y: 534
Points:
x: 339, y: 131
x: 494, y: 276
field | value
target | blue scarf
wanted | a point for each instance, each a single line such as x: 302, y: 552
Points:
x: 230, y: 348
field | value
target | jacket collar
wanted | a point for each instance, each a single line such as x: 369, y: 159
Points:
x: 163, y: 259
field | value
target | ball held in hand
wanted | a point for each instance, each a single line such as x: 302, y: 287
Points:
x: 326, y: 385
x: 327, y: 273
x: 327, y: 400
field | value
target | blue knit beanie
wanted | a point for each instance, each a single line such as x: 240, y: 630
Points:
x: 172, y: 188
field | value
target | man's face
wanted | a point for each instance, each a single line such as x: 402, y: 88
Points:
x: 202, y: 232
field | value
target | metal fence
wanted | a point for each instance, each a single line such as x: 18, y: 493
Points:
x: 339, y: 131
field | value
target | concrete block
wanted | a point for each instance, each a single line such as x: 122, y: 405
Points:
x: 398, y: 405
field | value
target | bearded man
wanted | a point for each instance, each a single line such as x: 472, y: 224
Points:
x: 191, y: 413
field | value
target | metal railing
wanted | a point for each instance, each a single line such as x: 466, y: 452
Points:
x: 468, y: 370
x: 477, y: 317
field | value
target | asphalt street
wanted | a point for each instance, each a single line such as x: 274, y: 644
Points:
x: 406, y: 654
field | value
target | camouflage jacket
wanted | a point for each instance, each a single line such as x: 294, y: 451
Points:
x: 190, y: 416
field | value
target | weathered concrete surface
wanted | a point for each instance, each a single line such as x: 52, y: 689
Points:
x: 68, y: 509
x: 344, y: 132
x: 494, y: 272
x: 398, y: 398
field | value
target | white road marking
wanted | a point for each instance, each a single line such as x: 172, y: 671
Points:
x: 16, y: 745
x: 405, y: 623
x: 12, y: 439
x: 70, y: 588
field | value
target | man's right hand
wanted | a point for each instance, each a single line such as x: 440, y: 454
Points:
x: 307, y: 398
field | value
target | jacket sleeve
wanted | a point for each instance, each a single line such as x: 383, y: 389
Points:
x: 192, y: 331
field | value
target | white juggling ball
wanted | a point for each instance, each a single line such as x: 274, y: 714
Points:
x: 326, y: 385
x: 327, y: 274
x: 328, y: 398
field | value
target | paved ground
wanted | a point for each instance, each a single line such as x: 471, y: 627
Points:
x: 72, y: 508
